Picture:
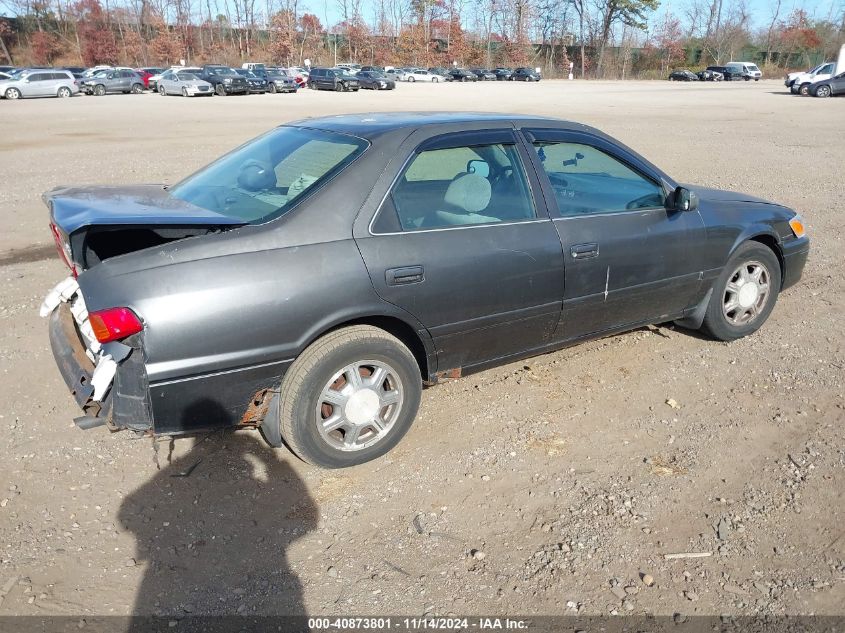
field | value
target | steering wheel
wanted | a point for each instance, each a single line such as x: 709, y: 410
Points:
x: 558, y: 179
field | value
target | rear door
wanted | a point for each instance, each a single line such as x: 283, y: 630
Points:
x: 38, y: 85
x: 463, y: 242
x: 628, y: 258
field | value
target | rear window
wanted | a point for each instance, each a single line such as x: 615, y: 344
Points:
x: 264, y: 178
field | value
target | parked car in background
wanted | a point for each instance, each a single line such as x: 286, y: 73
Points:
x: 503, y: 74
x: 418, y: 74
x: 224, y: 80
x: 277, y: 81
x: 525, y: 74
x: 256, y: 67
x: 611, y: 244
x: 683, y: 75
x: 74, y: 70
x: 802, y: 81
x: 483, y: 74
x: 441, y: 72
x: 113, y: 81
x: 378, y: 69
x: 746, y: 70
x: 789, y: 78
x: 727, y: 74
x: 4, y: 75
x: 375, y: 80
x: 831, y: 87
x: 396, y: 74
x: 185, y: 83
x: 39, y: 83
x: 147, y: 73
x: 463, y: 75
x: 337, y: 79
x: 257, y: 85
x: 7, y: 69
x: 709, y: 75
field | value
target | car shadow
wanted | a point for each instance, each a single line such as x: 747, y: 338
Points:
x: 212, y: 530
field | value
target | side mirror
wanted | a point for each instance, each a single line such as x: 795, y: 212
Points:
x: 685, y: 200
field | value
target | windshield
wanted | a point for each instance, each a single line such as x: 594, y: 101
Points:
x: 187, y: 76
x: 221, y: 70
x: 753, y: 67
x: 262, y: 179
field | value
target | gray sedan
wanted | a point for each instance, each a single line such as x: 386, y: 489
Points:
x: 312, y: 281
x: 183, y: 83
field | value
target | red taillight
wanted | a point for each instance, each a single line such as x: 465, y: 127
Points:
x: 64, y: 249
x: 114, y: 324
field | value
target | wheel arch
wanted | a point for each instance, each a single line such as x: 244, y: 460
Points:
x: 773, y: 243
x: 421, y: 346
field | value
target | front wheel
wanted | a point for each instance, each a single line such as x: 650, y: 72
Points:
x: 411, y: 79
x: 804, y: 90
x: 338, y: 87
x: 745, y: 293
x: 162, y: 91
x: 13, y: 93
x: 99, y: 90
x: 220, y: 90
x: 272, y: 88
x: 435, y: 79
x: 137, y: 89
x: 349, y: 398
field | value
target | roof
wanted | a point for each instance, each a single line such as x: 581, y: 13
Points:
x: 368, y: 125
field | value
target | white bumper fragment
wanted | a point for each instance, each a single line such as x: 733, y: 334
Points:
x: 67, y: 291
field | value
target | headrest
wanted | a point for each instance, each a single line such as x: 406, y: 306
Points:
x: 256, y: 176
x: 469, y: 192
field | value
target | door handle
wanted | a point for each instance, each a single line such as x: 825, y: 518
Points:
x: 404, y: 275
x: 584, y: 251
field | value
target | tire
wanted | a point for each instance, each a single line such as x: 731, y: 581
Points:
x: 99, y: 90
x: 823, y: 92
x: 751, y: 310
x: 220, y: 90
x: 411, y: 80
x: 137, y: 89
x: 804, y: 90
x: 272, y: 88
x: 13, y: 93
x: 162, y: 91
x: 435, y: 80
x: 319, y: 369
x: 184, y: 92
x: 64, y: 93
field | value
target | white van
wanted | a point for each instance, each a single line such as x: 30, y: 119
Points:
x: 747, y: 70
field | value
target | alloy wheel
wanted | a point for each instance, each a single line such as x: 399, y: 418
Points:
x: 359, y: 405
x: 746, y: 293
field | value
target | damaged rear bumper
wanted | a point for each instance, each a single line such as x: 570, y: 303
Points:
x: 123, y: 403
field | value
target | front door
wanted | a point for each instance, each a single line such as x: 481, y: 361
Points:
x: 462, y: 243
x: 629, y: 259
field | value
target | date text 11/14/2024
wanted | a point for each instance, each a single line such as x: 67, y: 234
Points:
x: 417, y: 624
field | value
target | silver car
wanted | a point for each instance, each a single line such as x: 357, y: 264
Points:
x: 39, y: 83
x: 183, y: 83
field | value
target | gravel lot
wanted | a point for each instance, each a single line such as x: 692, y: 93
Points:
x: 550, y: 486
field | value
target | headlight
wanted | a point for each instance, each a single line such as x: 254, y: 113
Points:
x: 228, y: 80
x: 383, y: 84
x: 797, y: 226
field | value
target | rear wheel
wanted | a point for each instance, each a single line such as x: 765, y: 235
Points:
x: 137, y: 89
x: 745, y: 293
x: 272, y: 88
x: 350, y: 397
x: 64, y: 92
x: 162, y: 91
x: 411, y: 79
x: 823, y: 91
x: 435, y: 79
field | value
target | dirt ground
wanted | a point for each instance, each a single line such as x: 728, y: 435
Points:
x: 542, y: 487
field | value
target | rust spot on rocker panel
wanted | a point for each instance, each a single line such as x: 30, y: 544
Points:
x: 259, y: 404
x: 445, y: 375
